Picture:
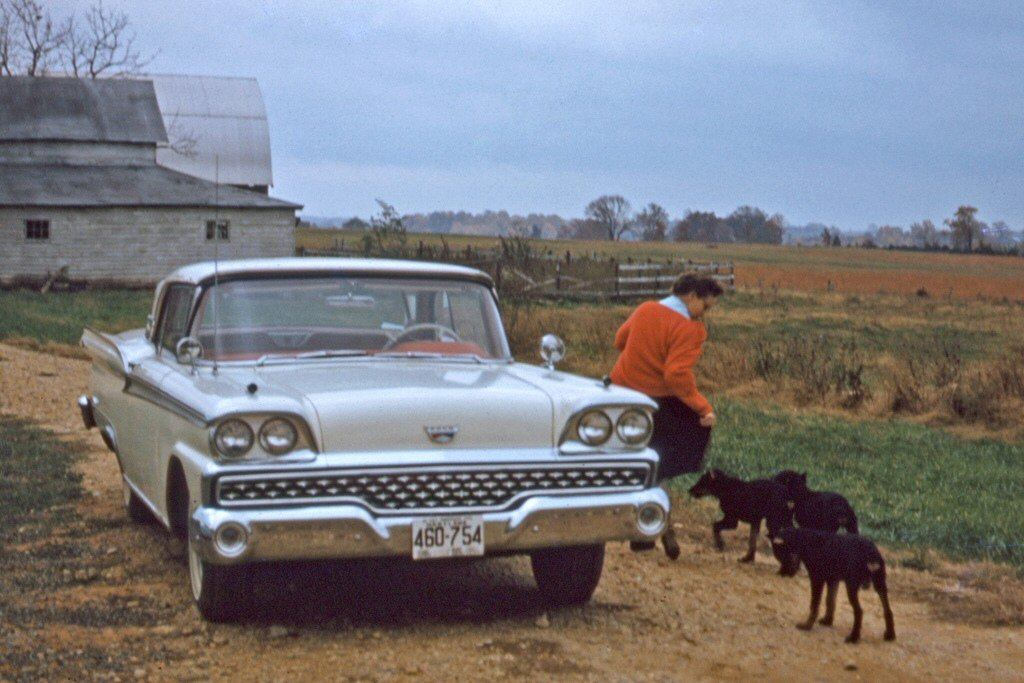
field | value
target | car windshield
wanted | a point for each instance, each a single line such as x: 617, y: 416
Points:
x: 311, y: 317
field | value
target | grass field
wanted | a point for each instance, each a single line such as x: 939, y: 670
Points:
x: 909, y: 402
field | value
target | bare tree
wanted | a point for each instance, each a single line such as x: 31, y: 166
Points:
x: 34, y: 38
x: 611, y: 212
x: 103, y: 44
x: 6, y: 37
x: 653, y: 222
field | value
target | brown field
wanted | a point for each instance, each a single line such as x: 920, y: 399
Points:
x: 776, y: 267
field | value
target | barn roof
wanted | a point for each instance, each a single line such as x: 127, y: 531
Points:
x: 62, y: 185
x: 225, y: 121
x: 79, y: 110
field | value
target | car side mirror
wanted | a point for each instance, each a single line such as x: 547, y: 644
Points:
x: 150, y: 324
x: 552, y: 350
x: 188, y: 350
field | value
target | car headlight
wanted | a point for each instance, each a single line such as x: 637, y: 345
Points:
x: 233, y: 438
x: 278, y: 436
x: 594, y: 428
x: 634, y: 427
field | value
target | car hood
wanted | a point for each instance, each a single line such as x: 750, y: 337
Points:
x: 396, y: 405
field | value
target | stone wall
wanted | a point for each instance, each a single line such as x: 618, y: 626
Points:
x: 135, y: 245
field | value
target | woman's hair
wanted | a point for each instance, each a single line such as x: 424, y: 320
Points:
x: 701, y: 285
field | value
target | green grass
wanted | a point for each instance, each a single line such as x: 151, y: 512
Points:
x: 912, y: 486
x: 61, y: 316
x: 35, y: 473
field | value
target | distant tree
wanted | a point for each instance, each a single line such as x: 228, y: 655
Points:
x: 583, y: 229
x: 355, y: 223
x: 103, y: 44
x: 1000, y: 235
x: 33, y: 37
x: 751, y: 224
x: 836, y: 242
x: 826, y: 237
x: 965, y: 227
x: 653, y: 223
x: 702, y: 226
x: 33, y: 43
x: 891, y: 236
x: 923, y: 235
x: 611, y: 212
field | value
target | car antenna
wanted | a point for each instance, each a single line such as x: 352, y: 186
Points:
x: 216, y: 259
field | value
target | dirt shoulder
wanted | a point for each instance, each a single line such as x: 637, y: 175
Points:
x: 91, y: 596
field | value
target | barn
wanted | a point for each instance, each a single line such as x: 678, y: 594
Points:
x: 94, y: 189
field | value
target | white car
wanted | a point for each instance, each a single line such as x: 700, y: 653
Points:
x: 308, y: 408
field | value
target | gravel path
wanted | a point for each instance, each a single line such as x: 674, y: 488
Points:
x: 93, y: 597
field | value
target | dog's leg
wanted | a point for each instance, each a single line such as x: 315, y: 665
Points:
x: 816, y: 586
x: 830, y: 604
x: 858, y: 613
x: 726, y: 522
x: 883, y: 594
x: 755, y: 531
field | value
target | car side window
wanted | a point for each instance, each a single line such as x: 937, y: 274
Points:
x: 174, y: 320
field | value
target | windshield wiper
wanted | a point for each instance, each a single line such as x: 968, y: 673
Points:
x: 322, y: 353
x: 332, y: 353
x: 433, y: 355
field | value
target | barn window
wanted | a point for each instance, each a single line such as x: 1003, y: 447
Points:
x: 37, y: 230
x: 218, y: 230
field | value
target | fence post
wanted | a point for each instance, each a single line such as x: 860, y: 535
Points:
x: 616, y: 279
x: 558, y: 276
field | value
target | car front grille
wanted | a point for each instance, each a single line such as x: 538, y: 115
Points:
x: 426, y: 489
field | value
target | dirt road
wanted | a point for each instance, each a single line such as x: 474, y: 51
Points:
x: 91, y: 596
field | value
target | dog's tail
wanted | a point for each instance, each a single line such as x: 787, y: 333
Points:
x: 876, y: 574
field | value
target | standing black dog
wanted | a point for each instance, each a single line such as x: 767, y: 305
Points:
x: 831, y: 558
x: 822, y: 510
x: 744, y: 501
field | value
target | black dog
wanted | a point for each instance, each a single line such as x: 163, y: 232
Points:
x: 831, y: 558
x: 744, y: 501
x: 822, y: 510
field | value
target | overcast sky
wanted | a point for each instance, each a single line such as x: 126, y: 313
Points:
x: 844, y: 112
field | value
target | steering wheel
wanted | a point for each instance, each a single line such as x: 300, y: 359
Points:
x: 441, y: 333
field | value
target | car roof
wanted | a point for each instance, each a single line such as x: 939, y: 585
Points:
x: 197, y: 273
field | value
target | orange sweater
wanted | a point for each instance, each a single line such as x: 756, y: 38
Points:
x: 659, y: 348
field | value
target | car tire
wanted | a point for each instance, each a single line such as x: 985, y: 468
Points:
x: 220, y: 591
x: 568, y: 576
x: 133, y: 505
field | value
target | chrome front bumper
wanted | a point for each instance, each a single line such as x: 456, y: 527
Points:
x: 350, y: 531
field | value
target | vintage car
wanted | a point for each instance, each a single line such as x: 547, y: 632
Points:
x: 315, y: 408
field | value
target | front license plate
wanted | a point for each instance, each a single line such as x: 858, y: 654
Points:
x: 434, y: 537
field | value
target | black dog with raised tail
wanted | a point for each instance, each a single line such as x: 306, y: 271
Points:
x: 831, y: 558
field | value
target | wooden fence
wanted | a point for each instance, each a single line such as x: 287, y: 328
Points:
x: 546, y: 274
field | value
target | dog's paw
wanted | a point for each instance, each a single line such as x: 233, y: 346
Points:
x: 890, y: 635
x: 746, y: 558
x: 825, y: 621
x: 853, y: 638
x: 805, y: 626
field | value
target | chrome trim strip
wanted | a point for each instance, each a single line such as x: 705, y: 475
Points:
x: 152, y: 394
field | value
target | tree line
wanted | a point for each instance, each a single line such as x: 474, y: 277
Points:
x: 964, y: 233
x: 610, y: 217
x: 35, y: 43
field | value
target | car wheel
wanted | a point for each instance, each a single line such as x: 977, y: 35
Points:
x: 220, y: 591
x: 137, y: 510
x: 568, y: 576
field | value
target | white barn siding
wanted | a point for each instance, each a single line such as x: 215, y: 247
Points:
x: 135, y: 245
